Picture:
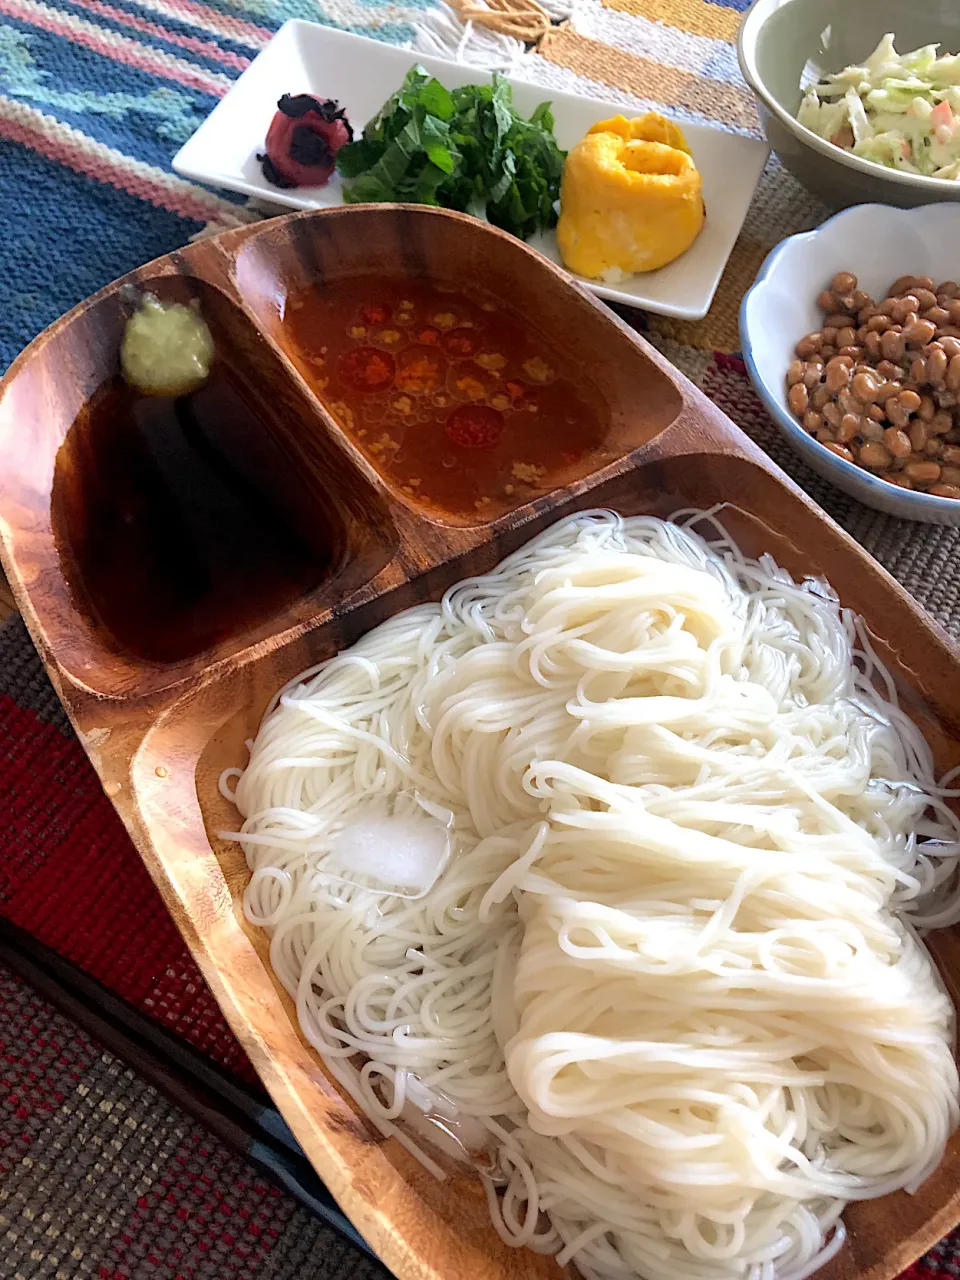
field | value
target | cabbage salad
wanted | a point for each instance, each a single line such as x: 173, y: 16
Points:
x: 898, y: 110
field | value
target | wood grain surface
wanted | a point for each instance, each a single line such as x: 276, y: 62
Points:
x: 8, y: 606
x: 160, y: 733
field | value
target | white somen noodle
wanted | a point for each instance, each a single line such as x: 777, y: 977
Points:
x: 647, y: 949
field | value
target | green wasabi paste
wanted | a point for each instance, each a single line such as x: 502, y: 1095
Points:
x: 167, y: 348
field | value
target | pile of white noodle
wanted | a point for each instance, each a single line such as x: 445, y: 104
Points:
x: 664, y: 989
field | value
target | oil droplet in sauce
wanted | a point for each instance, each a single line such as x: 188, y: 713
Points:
x: 456, y: 400
x: 168, y: 533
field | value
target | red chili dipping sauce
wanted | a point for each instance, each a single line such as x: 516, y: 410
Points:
x: 454, y: 399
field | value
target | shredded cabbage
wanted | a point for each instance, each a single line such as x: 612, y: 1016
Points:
x: 898, y: 110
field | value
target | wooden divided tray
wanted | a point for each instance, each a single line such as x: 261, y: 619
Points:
x: 163, y: 695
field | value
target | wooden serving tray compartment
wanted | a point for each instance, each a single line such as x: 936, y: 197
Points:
x: 160, y: 733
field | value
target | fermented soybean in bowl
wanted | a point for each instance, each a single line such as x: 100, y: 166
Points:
x: 876, y: 243
x: 877, y: 384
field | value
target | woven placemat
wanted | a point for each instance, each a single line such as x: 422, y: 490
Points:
x: 98, y: 1175
x: 69, y: 875
x: 922, y: 557
x: 679, y: 56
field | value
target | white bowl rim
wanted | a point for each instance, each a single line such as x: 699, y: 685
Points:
x: 788, y: 424
x: 750, y: 26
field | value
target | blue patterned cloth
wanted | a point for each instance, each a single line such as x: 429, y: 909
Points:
x: 96, y: 96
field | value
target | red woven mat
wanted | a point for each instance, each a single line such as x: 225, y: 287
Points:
x: 70, y: 876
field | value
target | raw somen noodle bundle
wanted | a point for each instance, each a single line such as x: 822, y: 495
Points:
x: 606, y: 865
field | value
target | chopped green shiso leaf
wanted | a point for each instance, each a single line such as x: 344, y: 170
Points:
x: 466, y: 149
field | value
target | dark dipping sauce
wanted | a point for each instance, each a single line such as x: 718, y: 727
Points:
x: 454, y: 399
x: 166, y: 531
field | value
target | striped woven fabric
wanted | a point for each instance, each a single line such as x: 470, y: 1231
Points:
x: 96, y: 96
x: 98, y: 1177
x: 677, y: 56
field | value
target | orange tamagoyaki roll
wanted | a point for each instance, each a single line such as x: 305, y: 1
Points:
x: 631, y: 198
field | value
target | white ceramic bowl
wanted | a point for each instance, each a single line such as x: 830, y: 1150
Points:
x: 878, y: 244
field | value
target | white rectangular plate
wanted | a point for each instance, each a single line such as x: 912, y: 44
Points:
x: 304, y: 57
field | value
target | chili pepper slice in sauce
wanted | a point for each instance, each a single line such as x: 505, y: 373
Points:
x: 475, y: 426
x: 438, y: 391
x: 367, y: 369
x: 460, y: 342
x: 373, y: 314
x: 420, y: 370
